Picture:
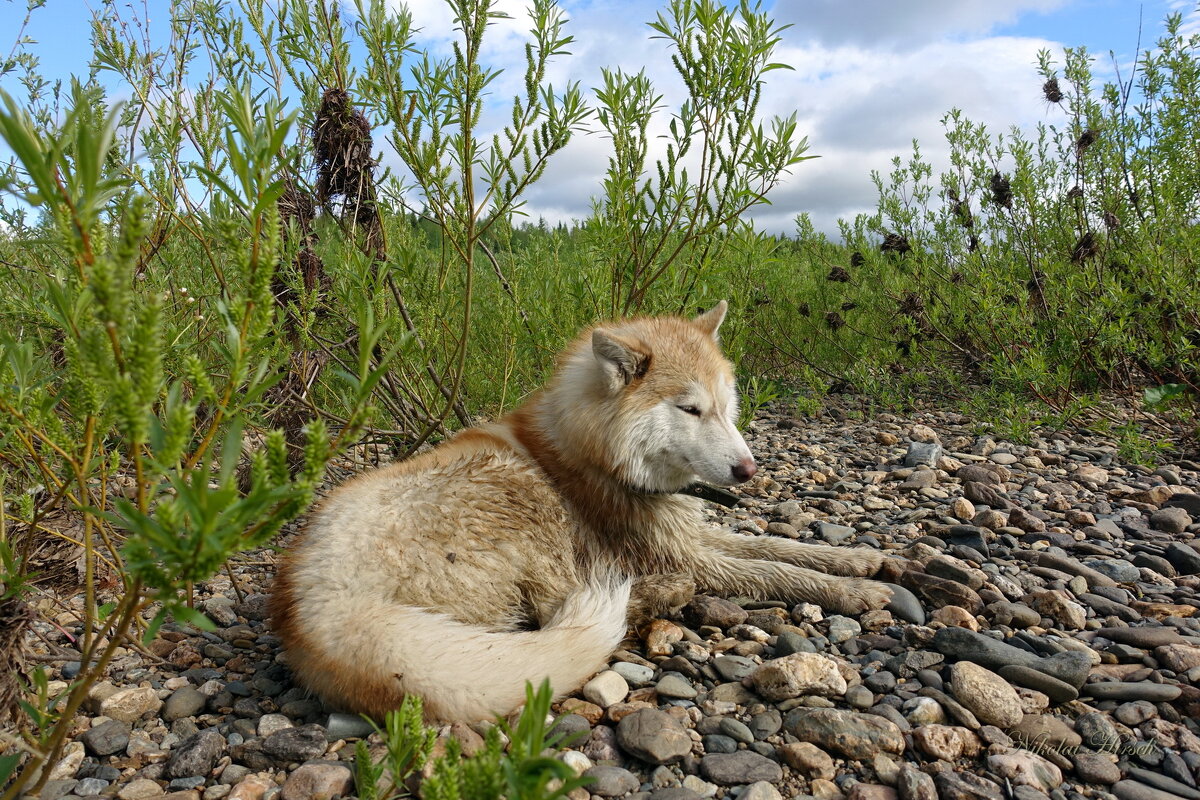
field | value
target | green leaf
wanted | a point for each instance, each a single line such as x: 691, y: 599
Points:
x: 190, y: 616
x: 1155, y: 396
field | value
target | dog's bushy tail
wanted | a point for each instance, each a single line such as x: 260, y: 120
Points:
x: 461, y: 672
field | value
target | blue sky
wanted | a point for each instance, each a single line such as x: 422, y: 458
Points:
x: 870, y: 76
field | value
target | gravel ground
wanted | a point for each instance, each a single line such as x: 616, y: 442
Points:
x: 1042, y: 644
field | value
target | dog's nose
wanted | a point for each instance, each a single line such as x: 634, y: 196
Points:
x: 744, y: 470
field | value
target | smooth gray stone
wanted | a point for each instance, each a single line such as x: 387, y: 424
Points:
x: 1058, y: 691
x: 1183, y: 558
x: 744, y: 766
x: 1139, y: 690
x: 905, y: 605
x: 610, y: 781
x: 1164, y: 783
x: 1070, y: 667
x: 347, y: 726
x: 1143, y: 636
x: 1065, y: 564
x: 1136, y: 790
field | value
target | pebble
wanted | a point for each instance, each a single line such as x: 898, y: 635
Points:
x: 128, y: 705
x: 1058, y: 691
x: 1067, y: 613
x: 905, y: 605
x: 760, y: 790
x: 718, y: 612
x: 852, y: 735
x: 183, y: 702
x: 734, y: 668
x: 1178, y: 657
x: 987, y: 695
x: 106, y: 738
x: 1141, y: 690
x: 321, y: 779
x: 744, y: 766
x: 195, y: 755
x: 922, y: 453
x: 273, y: 723
x: 296, y: 744
x: 251, y: 787
x: 606, y: 689
x: 1171, y: 520
x: 675, y: 686
x: 139, y: 789
x: 1164, y: 783
x: 913, y: 784
x: 1024, y: 768
x: 736, y: 730
x: 797, y: 674
x: 345, y: 726
x: 653, y: 736
x: 634, y: 674
x: 1096, y: 767
x: 1184, y: 559
x: 1044, y: 729
x: 860, y: 696
x: 1135, y: 790
x: 611, y: 781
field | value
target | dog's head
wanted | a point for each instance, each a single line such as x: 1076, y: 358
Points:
x: 657, y: 403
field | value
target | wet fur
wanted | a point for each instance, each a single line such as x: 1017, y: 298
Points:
x: 507, y: 553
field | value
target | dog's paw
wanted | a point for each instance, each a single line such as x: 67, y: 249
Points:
x: 855, y: 597
x: 857, y: 562
x: 655, y: 596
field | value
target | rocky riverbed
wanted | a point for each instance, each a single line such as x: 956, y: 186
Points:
x: 1042, y: 643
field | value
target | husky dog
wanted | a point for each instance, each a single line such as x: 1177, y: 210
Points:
x: 509, y: 553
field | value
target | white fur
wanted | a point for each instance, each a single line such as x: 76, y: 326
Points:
x: 466, y: 672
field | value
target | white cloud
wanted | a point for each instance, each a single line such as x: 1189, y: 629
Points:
x: 909, y: 24
x: 868, y: 78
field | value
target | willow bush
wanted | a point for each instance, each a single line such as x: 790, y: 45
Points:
x: 1055, y: 264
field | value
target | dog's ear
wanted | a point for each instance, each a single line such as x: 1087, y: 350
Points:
x: 621, y: 358
x: 711, y: 320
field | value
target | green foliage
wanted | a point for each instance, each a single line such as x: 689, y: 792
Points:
x: 757, y: 394
x: 669, y: 227
x: 1050, y: 264
x: 526, y: 770
x: 87, y: 398
x: 1160, y: 396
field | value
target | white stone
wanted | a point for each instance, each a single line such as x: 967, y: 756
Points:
x: 272, y: 723
x: 140, y: 789
x: 577, y: 761
x: 606, y: 689
x: 1025, y: 768
x: 128, y: 705
x: 988, y: 696
x: 798, y: 674
x: 761, y: 790
x: 69, y: 764
x: 699, y: 786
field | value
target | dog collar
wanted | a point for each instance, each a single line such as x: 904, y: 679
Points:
x: 705, y: 491
x: 713, y: 494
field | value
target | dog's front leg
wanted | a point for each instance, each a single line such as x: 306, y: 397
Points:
x: 726, y: 575
x: 853, y: 561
